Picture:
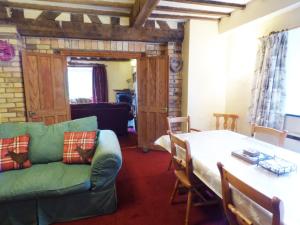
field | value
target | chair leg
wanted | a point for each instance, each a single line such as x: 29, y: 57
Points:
x: 188, y: 207
x: 170, y: 164
x: 174, y: 191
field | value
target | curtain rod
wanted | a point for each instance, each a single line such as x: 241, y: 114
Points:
x: 85, y: 64
x: 287, y: 29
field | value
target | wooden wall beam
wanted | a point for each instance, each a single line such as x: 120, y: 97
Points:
x: 150, y: 24
x: 29, y: 27
x: 3, y: 13
x: 17, y: 14
x: 61, y: 9
x: 77, y: 18
x: 141, y: 11
x: 95, y: 3
x: 163, y: 25
x: 94, y: 19
x: 48, y: 15
x: 212, y: 3
x: 115, y: 21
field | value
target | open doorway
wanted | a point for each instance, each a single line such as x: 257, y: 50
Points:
x: 106, y: 88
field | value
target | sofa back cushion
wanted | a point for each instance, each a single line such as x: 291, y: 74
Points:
x: 47, y: 146
x: 47, y: 142
x: 9, y: 130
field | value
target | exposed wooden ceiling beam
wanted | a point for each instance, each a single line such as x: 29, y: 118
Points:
x: 212, y: 3
x: 190, y: 11
x: 95, y: 3
x: 61, y: 9
x: 48, y: 15
x: 168, y: 16
x: 30, y: 27
x: 141, y: 11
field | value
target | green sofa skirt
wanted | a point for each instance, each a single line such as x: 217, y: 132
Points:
x: 44, y: 211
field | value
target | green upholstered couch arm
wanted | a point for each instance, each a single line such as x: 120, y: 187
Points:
x: 107, y: 160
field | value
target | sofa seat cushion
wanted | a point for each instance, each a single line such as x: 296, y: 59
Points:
x: 44, y: 180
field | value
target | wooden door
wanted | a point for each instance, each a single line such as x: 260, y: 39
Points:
x: 45, y: 87
x: 153, y: 92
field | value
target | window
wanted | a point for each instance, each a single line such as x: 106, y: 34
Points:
x: 80, y: 82
x: 293, y: 73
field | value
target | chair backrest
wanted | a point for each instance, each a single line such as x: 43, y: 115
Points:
x: 235, y: 217
x: 183, y: 122
x: 229, y: 121
x: 273, y: 136
x: 184, y: 163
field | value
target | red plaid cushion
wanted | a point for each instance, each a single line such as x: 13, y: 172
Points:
x: 79, y: 147
x: 14, y: 153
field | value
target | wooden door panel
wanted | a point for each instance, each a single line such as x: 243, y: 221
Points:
x: 59, y: 83
x: 151, y: 82
x: 142, y: 83
x: 45, y: 83
x: 162, y: 82
x: 45, y: 87
x: 31, y: 66
x: 153, y: 79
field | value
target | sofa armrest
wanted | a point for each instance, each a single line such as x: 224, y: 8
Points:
x: 107, y: 160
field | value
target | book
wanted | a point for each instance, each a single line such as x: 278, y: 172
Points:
x: 252, y: 157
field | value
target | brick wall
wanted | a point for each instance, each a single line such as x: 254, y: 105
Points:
x: 12, y: 103
x: 12, y: 106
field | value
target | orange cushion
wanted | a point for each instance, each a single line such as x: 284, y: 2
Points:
x: 14, y: 153
x: 79, y: 147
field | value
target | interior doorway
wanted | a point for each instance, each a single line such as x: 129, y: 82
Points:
x: 106, y: 88
x: 47, y: 93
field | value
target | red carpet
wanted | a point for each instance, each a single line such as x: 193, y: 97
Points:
x: 144, y: 186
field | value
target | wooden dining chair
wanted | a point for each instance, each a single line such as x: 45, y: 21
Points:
x: 178, y: 125
x: 236, y: 217
x: 183, y: 125
x: 183, y: 169
x: 270, y: 135
x: 229, y: 121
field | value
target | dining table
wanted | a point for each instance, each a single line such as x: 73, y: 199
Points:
x: 209, y: 147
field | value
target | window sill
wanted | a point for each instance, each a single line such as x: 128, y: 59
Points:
x: 294, y: 136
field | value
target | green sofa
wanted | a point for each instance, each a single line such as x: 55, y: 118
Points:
x: 51, y: 191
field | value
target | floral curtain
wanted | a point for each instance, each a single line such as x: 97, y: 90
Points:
x: 268, y: 92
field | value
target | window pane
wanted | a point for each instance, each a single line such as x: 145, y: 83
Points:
x: 80, y: 82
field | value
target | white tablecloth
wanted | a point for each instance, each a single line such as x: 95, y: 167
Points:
x: 210, y: 147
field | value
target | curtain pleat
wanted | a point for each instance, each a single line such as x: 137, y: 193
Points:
x: 100, y: 87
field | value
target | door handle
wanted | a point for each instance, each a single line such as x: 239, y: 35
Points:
x: 165, y: 109
x: 31, y: 114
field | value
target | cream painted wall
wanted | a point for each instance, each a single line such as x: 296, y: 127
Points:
x: 219, y: 67
x: 240, y: 54
x: 257, y: 10
x: 117, y: 74
x: 204, y: 78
